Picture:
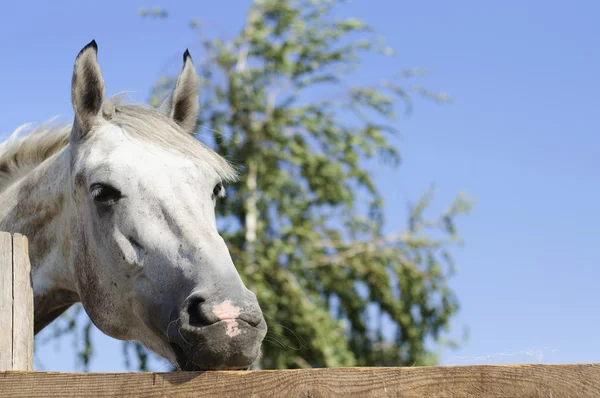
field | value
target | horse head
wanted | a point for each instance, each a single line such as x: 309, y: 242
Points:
x: 147, y: 260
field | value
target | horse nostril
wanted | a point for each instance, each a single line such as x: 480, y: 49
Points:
x: 196, y: 315
x: 199, y: 311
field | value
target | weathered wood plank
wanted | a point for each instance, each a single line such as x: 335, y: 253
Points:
x: 452, y: 381
x: 6, y: 300
x: 22, y: 305
x: 16, y: 304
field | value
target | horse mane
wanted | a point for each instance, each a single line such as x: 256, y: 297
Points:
x: 20, y: 154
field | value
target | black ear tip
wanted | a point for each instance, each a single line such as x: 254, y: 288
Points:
x: 186, y: 55
x: 92, y: 45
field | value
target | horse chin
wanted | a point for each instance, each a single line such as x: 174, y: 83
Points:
x: 226, y: 345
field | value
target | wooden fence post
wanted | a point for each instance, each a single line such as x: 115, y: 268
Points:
x: 16, y: 303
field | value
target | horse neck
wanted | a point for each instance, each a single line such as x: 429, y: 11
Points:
x: 37, y: 206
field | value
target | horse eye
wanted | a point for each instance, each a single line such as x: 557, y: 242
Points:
x: 217, y: 190
x: 105, y: 194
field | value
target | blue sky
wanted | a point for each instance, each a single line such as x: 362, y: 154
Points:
x: 521, y: 138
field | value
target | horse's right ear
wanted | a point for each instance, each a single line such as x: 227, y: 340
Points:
x: 87, y: 89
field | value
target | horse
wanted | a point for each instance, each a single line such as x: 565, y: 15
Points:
x: 119, y: 209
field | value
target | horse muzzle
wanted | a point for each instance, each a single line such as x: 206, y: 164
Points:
x: 218, y: 332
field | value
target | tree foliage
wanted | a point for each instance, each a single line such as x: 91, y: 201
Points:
x: 305, y: 222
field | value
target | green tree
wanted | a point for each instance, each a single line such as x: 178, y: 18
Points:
x: 305, y: 222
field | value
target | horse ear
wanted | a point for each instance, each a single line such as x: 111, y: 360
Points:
x: 87, y: 88
x: 183, y: 103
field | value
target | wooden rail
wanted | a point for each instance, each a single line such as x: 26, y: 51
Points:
x: 452, y: 381
x: 16, y: 304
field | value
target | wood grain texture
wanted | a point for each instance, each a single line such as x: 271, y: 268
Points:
x: 6, y: 303
x: 452, y: 381
x: 22, y: 305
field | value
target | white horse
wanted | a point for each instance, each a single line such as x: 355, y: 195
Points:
x: 119, y: 211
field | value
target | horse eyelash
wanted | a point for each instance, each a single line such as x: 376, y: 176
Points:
x: 95, y: 191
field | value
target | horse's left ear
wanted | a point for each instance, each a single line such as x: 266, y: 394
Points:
x: 183, y: 102
x: 87, y: 88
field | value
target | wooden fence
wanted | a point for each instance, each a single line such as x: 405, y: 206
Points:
x: 18, y: 380
x: 16, y: 304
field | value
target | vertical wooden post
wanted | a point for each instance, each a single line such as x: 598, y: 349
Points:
x: 6, y: 301
x: 16, y: 304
